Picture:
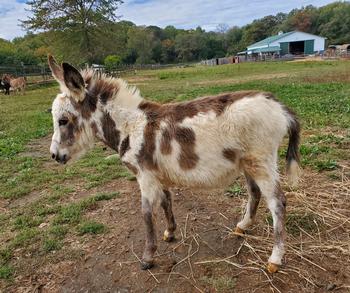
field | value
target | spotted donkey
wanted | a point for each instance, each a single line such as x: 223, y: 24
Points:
x: 207, y: 142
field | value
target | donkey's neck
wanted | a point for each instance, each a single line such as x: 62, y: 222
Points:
x: 124, y: 106
x: 118, y: 110
x: 127, y: 97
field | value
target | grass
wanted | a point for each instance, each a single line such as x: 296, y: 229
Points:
x: 51, y: 244
x: 5, y: 272
x: 91, y: 227
x: 49, y: 211
x: 296, y: 221
x: 221, y: 283
x: 234, y: 190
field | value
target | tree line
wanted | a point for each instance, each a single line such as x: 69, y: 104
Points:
x: 89, y: 31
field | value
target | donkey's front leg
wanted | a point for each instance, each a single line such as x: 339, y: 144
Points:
x: 166, y: 204
x: 151, y: 193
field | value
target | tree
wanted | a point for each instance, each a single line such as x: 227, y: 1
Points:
x: 142, y: 42
x: 78, y: 23
x: 112, y: 61
x: 222, y: 28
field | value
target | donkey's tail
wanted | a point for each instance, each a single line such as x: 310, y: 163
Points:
x: 293, y: 154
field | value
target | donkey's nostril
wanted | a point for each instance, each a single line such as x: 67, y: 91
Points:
x: 53, y: 156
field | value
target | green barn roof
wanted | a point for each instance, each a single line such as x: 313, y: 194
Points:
x: 269, y: 40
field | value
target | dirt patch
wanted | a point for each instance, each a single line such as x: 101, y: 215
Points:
x: 205, y: 257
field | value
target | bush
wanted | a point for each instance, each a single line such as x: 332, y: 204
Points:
x: 112, y: 61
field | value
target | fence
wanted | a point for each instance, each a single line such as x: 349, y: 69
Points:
x: 35, y: 74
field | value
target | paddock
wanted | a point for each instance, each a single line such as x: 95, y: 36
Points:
x: 78, y: 227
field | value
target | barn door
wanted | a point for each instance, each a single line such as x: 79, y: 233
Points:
x: 284, y: 48
x: 309, y: 47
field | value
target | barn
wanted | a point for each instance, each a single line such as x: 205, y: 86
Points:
x: 294, y: 43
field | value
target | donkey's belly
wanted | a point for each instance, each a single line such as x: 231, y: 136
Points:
x: 200, y: 177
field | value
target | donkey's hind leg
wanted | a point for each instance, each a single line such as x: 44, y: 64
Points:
x: 265, y: 175
x: 254, y: 195
x: 276, y: 202
x: 166, y: 204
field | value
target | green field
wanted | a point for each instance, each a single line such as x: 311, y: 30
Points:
x: 37, y: 212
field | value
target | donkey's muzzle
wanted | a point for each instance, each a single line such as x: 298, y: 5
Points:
x: 60, y: 159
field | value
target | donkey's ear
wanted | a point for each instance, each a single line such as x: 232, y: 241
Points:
x: 57, y: 71
x: 73, y: 81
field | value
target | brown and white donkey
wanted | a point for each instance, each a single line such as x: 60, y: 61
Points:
x: 207, y: 142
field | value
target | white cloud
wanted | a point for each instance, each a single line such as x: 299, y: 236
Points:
x: 180, y: 13
x: 10, y: 13
x: 205, y: 13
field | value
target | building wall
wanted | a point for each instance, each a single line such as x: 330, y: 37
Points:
x: 319, y: 44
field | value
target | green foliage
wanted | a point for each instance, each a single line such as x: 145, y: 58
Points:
x: 91, y: 34
x: 5, y: 272
x: 76, y: 25
x: 295, y: 222
x: 112, y: 61
x: 51, y: 244
x: 105, y: 196
x: 90, y: 227
x: 234, y: 190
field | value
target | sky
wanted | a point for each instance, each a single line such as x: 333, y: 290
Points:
x: 179, y: 13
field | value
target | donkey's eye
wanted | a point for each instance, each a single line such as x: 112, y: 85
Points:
x: 62, y: 121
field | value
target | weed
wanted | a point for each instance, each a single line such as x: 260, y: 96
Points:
x: 58, y: 231
x: 5, y: 272
x: 24, y: 237
x: 234, y: 190
x: 326, y: 165
x: 308, y: 222
x: 105, y: 196
x: 51, y: 244
x: 221, y: 284
x: 90, y: 227
x: 70, y: 214
x: 27, y: 221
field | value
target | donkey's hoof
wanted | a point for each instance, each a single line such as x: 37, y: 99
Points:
x: 272, y: 268
x: 168, y: 237
x: 239, y: 231
x: 146, y: 265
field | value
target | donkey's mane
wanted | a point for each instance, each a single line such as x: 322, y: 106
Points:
x: 111, y: 88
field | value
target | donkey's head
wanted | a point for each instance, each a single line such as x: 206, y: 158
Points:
x: 73, y: 134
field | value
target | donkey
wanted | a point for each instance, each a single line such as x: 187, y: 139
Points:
x: 5, y: 85
x: 207, y: 142
x: 18, y: 84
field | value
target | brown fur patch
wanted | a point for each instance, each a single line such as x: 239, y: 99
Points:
x: 103, y: 89
x: 110, y: 132
x: 230, y: 154
x: 94, y: 127
x: 124, y: 146
x: 253, y: 167
x: 145, y: 156
x: 179, y: 111
x: 70, y: 132
x: 255, y: 193
x: 186, y: 138
x: 165, y: 143
x: 100, y: 89
x: 131, y: 167
x: 176, y: 113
